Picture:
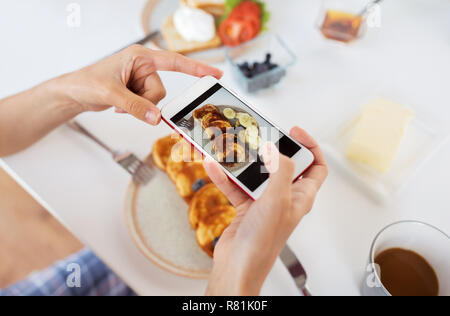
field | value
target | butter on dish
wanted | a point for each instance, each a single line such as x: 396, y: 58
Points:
x: 379, y: 133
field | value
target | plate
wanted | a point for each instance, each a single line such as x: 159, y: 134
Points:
x: 152, y: 18
x: 157, y: 219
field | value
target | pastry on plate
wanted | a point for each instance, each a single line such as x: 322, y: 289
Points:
x: 182, y: 155
x: 190, y: 30
x: 205, y: 202
x: 162, y: 150
x: 214, y: 7
x: 190, y: 179
x: 212, y: 227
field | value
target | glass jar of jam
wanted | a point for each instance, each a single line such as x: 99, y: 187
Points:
x: 340, y: 20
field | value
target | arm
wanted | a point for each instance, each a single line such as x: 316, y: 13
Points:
x: 128, y: 80
x: 30, y: 115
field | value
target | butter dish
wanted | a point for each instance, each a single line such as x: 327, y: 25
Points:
x: 420, y: 142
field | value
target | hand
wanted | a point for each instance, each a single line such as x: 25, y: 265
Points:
x: 249, y: 247
x: 129, y: 81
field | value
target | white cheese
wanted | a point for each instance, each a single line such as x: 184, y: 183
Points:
x: 194, y: 24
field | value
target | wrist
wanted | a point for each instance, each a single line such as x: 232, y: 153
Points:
x: 56, y: 93
x: 234, y: 279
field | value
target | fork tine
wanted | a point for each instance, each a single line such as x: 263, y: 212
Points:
x: 144, y: 172
x: 140, y: 172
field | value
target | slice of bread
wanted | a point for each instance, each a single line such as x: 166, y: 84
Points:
x: 214, y: 7
x: 177, y: 44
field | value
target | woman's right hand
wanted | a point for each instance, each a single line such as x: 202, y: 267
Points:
x: 249, y: 247
x: 129, y: 81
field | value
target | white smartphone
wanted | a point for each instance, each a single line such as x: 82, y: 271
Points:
x: 222, y: 126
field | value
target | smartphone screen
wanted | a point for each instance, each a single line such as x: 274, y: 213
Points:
x: 232, y: 133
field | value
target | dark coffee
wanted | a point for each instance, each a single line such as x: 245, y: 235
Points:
x: 406, y: 273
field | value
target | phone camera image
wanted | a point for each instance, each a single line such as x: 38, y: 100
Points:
x: 232, y: 133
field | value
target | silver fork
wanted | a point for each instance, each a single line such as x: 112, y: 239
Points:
x: 140, y: 172
x: 189, y: 125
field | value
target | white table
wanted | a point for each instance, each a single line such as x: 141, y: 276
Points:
x: 81, y: 186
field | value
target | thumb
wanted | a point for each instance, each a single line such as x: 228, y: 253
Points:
x: 281, y: 170
x: 138, y: 106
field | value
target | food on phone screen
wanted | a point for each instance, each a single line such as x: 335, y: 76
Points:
x: 379, y: 134
x: 200, y: 113
x: 228, y: 150
x: 229, y: 113
x: 211, y: 118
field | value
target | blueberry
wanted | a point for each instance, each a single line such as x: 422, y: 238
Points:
x: 244, y: 67
x: 200, y: 183
x: 263, y: 68
x: 215, y: 242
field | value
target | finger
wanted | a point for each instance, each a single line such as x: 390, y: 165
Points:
x: 319, y: 170
x: 137, y: 106
x: 119, y: 110
x: 233, y: 193
x: 169, y: 61
x: 281, y: 170
x: 154, y: 90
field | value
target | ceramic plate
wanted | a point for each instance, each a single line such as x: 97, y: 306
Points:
x: 157, y: 219
x: 152, y: 18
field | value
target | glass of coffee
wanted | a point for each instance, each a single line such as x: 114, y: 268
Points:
x: 408, y: 258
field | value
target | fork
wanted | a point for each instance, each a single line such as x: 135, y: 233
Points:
x: 140, y: 172
x: 189, y: 125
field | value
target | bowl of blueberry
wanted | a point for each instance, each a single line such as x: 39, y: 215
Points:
x: 261, y: 63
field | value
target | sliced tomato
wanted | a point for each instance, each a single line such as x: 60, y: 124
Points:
x: 237, y: 31
x: 246, y: 8
x: 255, y: 21
x: 243, y: 24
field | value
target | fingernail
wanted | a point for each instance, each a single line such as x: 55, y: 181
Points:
x: 151, y: 117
